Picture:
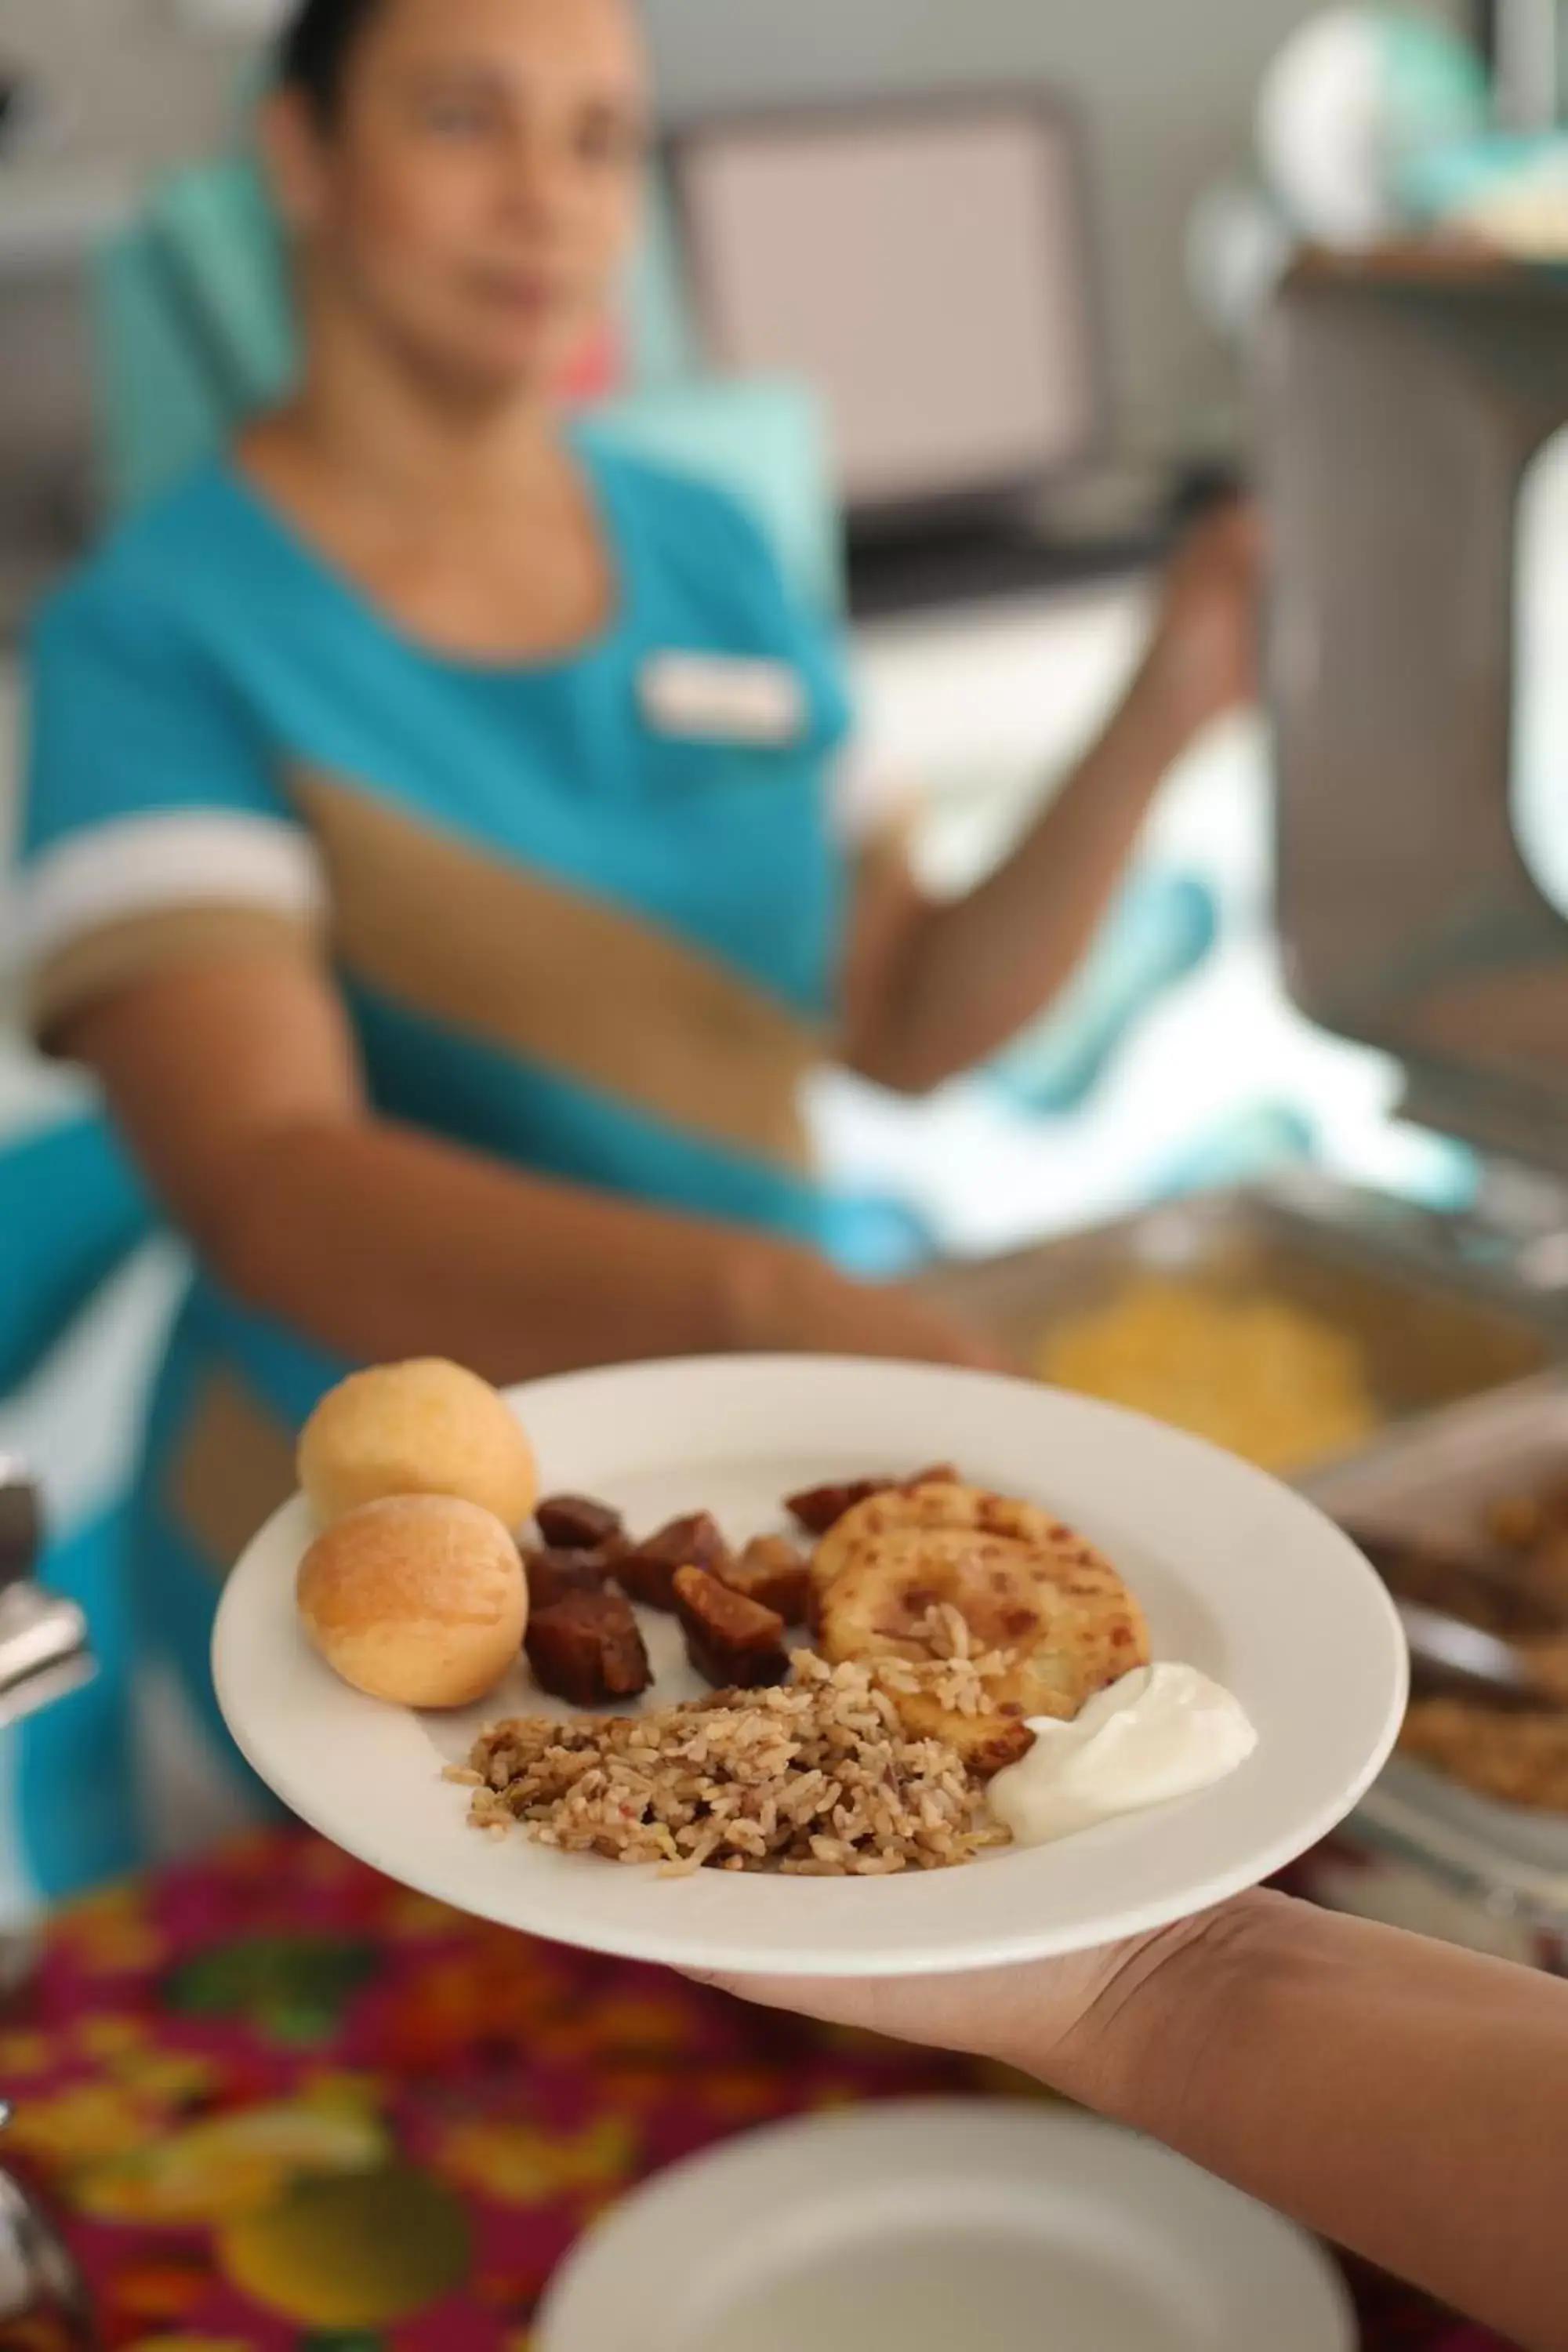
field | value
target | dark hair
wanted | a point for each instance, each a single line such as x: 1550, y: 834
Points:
x: 317, y: 49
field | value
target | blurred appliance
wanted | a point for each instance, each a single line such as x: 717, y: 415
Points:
x: 44, y: 1653
x: 1527, y: 42
x: 46, y: 223
x: 254, y: 20
x: 38, y: 2273
x: 1358, y: 98
x: 1413, y: 413
x: 928, y: 265
x: 17, y: 109
x: 34, y: 117
x: 1404, y: 405
x: 1413, y: 427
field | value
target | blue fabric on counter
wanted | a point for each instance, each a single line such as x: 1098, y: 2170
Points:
x: 1163, y: 929
x: 1255, y: 1144
x: 876, y: 1235
x: 72, y: 1213
x: 76, y: 1808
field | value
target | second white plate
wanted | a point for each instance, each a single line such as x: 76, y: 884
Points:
x: 927, y: 2227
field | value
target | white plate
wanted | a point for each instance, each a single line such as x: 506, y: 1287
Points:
x: 1238, y: 1577
x: 919, y: 2229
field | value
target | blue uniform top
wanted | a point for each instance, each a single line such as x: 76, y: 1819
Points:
x: 586, y: 913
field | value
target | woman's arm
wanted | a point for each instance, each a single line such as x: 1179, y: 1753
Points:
x: 237, y: 1089
x: 933, y: 990
x: 1405, y: 2099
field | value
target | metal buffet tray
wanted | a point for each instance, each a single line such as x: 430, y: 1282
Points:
x: 1400, y: 404
x: 1433, y: 1302
x: 1459, y: 1344
x: 1433, y: 1482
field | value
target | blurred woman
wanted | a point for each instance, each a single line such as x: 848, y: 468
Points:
x: 428, y: 843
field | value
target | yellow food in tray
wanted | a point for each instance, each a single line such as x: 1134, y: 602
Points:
x: 1264, y: 1378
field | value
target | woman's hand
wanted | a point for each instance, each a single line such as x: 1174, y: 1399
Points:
x: 1203, y: 662
x: 789, y: 1302
x: 1068, y: 2022
x: 238, y: 1086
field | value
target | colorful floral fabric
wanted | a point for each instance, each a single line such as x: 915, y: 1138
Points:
x: 281, y: 2105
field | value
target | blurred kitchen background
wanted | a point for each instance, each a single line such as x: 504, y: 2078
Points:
x: 1142, y: 179
x: 1289, y: 1164
x: 983, y: 666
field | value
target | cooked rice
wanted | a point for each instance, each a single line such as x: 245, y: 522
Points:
x: 819, y: 1779
x: 943, y: 1666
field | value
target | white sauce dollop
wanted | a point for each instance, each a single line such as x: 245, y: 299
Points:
x: 1162, y: 1733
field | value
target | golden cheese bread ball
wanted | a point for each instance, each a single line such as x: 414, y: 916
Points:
x: 418, y: 1599
x: 427, y: 1428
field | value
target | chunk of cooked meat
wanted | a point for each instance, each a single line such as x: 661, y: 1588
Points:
x: 732, y: 1643
x: 648, y: 1570
x: 775, y: 1575
x: 588, y: 1650
x: 576, y: 1523
x: 553, y: 1574
x: 821, y: 1508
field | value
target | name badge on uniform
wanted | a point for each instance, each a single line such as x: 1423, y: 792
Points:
x: 724, y: 699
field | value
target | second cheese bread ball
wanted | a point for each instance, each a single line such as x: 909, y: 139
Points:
x: 420, y: 1600
x: 427, y: 1428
